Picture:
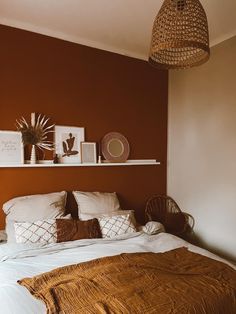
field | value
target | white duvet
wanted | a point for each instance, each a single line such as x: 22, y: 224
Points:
x: 23, y: 260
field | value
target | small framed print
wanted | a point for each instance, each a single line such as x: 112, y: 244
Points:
x: 68, y: 143
x: 89, y: 153
x: 11, y: 148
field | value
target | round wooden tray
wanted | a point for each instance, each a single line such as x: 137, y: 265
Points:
x: 115, y: 147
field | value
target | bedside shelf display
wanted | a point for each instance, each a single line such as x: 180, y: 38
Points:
x: 49, y: 163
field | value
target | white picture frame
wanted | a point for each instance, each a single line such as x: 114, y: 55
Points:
x: 67, y: 141
x: 11, y: 148
x: 88, y: 153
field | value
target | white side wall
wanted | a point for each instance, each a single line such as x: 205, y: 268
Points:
x: 202, y: 147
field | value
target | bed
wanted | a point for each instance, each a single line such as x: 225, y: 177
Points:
x: 27, y: 260
x: 102, y: 264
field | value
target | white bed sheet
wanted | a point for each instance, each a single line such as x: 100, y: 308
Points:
x: 24, y: 260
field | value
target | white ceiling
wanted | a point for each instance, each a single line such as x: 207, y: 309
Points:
x: 121, y: 26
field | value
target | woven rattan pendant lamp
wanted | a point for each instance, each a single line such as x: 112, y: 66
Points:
x: 180, y: 37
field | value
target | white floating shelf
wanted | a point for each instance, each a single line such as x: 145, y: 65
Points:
x: 50, y: 164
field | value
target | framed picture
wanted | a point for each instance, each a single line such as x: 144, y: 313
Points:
x: 88, y: 152
x: 67, y: 143
x: 11, y: 148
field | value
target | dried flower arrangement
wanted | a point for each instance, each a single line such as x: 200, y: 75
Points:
x: 35, y: 133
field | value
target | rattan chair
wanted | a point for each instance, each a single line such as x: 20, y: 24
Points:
x: 164, y: 209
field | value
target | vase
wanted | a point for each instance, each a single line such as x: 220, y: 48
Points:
x: 33, y: 155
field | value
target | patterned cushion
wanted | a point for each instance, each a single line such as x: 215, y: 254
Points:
x: 41, y: 231
x: 116, y: 225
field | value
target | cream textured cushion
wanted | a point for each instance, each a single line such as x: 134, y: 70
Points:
x: 93, y: 204
x: 41, y: 231
x: 116, y: 225
x: 32, y: 208
x: 153, y: 227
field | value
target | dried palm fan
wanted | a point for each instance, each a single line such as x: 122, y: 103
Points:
x: 35, y: 133
x: 164, y: 209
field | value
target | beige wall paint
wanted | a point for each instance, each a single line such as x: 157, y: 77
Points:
x: 202, y: 147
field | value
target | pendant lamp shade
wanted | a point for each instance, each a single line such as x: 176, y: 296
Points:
x: 180, y: 37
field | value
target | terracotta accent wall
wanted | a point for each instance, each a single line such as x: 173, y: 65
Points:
x: 80, y: 86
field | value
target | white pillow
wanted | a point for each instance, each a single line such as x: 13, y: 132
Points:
x: 117, y: 212
x: 93, y: 204
x: 32, y: 208
x: 116, y: 225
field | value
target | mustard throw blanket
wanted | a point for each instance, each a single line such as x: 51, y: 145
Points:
x: 177, y: 281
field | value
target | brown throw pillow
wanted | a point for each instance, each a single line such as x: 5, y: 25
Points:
x: 74, y: 229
